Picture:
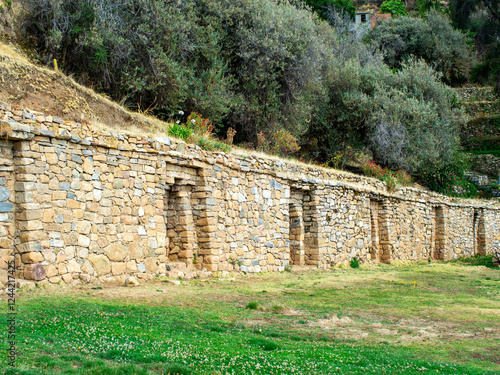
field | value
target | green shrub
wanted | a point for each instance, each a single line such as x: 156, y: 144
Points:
x: 394, y: 7
x: 283, y: 143
x: 432, y: 39
x: 180, y: 131
x: 354, y: 263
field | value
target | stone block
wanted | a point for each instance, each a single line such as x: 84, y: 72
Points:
x: 55, y: 279
x: 116, y: 252
x: 151, y: 264
x: 33, y: 257
x: 67, y: 278
x: 118, y: 268
x: 51, y: 271
x: 34, y: 272
x: 83, y: 241
x: 100, y: 263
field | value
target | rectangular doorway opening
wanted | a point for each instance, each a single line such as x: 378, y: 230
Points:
x: 181, y: 230
x: 479, y: 232
x: 438, y: 241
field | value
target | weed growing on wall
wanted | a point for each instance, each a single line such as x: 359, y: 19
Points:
x: 391, y: 178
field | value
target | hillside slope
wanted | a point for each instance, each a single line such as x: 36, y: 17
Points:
x: 29, y: 86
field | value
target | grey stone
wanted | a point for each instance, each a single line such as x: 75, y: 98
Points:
x: 4, y: 193
x: 141, y: 267
x: 270, y: 244
x: 165, y: 141
x: 47, y: 133
x: 64, y: 186
x: 56, y: 243
x: 244, y: 268
x: 77, y: 159
x: 255, y: 262
x: 6, y: 207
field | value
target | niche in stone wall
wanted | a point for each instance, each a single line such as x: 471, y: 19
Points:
x: 181, y: 230
x: 438, y: 233
x: 381, y: 246
x: 375, y: 248
x: 303, y: 228
x: 479, y: 232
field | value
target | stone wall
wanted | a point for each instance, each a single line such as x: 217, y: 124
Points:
x: 487, y: 164
x: 78, y: 204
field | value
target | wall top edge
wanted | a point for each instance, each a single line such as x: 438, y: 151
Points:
x: 26, y: 125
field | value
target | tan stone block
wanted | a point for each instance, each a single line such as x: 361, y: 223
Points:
x: 186, y: 254
x: 270, y: 259
x: 136, y: 250
x: 67, y: 278
x: 51, y: 158
x: 88, y: 166
x: 51, y: 271
x: 61, y: 267
x: 102, y: 242
x: 78, y: 214
x: 128, y: 220
x: 33, y: 236
x: 210, y: 259
x: 206, y: 221
x: 73, y: 266
x: 59, y: 195
x: 152, y: 264
x: 5, y: 243
x: 61, y: 257
x: 30, y: 225
x: 131, y: 266
x: 116, y: 252
x: 87, y: 268
x: 128, y: 237
x: 73, y: 204
x: 118, y: 268
x: 83, y: 241
x: 33, y: 257
x: 211, y: 267
x: 55, y: 280
x: 100, y: 263
x: 30, y: 215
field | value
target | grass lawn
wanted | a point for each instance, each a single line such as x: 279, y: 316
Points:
x: 439, y: 318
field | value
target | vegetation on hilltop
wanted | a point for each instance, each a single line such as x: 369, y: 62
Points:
x: 263, y: 67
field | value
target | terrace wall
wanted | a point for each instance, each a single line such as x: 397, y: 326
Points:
x: 78, y: 204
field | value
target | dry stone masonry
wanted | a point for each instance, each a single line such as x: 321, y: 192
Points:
x: 82, y: 205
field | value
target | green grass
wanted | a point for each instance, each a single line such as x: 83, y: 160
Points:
x: 388, y: 319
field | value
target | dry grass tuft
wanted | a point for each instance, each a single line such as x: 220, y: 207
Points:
x: 5, y: 130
